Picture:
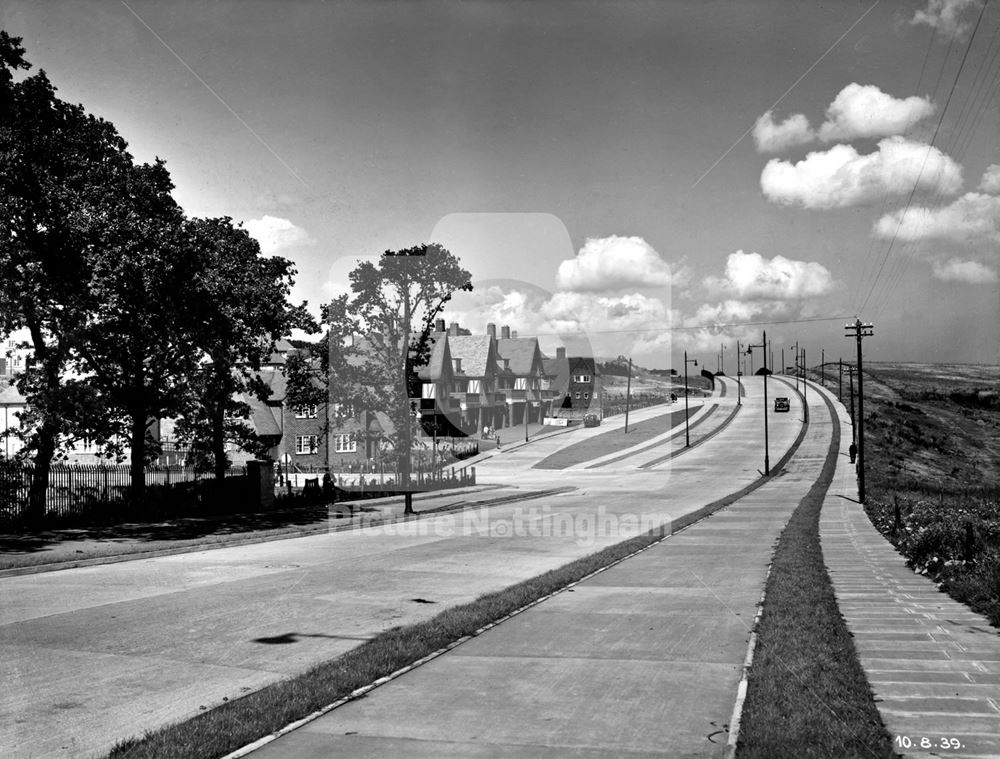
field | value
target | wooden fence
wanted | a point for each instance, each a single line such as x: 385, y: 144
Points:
x: 76, y: 491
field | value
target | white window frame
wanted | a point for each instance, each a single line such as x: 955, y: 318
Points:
x: 521, y: 383
x: 306, y: 411
x: 475, y: 386
x: 429, y: 390
x: 306, y: 445
x: 344, y: 443
x: 581, y: 378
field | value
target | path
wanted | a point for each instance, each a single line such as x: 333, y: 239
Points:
x: 933, y: 664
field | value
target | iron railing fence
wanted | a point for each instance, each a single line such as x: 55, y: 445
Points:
x: 90, y: 490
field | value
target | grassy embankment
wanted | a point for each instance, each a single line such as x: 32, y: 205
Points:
x: 807, y: 695
x: 932, y: 442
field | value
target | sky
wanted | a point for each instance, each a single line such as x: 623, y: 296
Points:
x: 627, y: 178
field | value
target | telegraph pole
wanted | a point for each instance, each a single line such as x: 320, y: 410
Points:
x: 822, y: 366
x: 783, y: 364
x: 763, y: 347
x: 859, y: 331
x: 840, y: 381
x: 854, y: 426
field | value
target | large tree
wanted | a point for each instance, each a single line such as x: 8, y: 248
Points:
x: 57, y: 164
x: 397, y: 301
x: 245, y: 307
x: 140, y: 343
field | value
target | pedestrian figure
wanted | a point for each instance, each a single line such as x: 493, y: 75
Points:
x: 498, y: 440
x: 853, y: 451
x: 673, y: 398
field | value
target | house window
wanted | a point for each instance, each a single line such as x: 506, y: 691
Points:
x: 344, y: 444
x: 305, y: 412
x: 577, y: 396
x: 586, y: 396
x: 428, y: 390
x: 305, y: 444
x: 521, y: 383
x: 474, y: 386
x: 581, y: 378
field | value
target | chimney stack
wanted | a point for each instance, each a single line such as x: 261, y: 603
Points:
x: 561, y: 352
x: 514, y: 334
x: 439, y: 325
x: 458, y: 365
x: 505, y: 332
x: 491, y: 330
x: 453, y: 330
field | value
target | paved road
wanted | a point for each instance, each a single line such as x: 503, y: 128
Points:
x: 641, y: 660
x: 93, y: 655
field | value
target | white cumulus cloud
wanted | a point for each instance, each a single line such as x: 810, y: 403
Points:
x: 972, y: 218
x: 613, y: 263
x: 946, y: 17
x: 841, y: 177
x: 956, y: 270
x: 276, y: 234
x: 750, y: 276
x: 861, y: 111
x: 991, y: 179
x: 773, y: 138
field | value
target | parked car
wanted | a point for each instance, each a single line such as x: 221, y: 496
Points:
x: 591, y: 420
x: 782, y: 404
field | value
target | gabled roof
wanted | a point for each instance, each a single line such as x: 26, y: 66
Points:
x: 262, y: 417
x: 523, y: 353
x: 477, y: 353
x: 275, y: 379
x: 439, y: 365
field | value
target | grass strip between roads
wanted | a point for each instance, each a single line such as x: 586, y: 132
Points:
x: 807, y: 693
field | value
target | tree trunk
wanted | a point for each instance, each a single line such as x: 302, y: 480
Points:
x: 44, y: 451
x: 219, y: 442
x: 137, y: 462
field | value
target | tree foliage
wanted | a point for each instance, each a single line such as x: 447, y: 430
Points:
x: 58, y: 163
x: 397, y: 301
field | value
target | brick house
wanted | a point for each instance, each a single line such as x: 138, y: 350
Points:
x: 574, y: 383
x: 523, y: 359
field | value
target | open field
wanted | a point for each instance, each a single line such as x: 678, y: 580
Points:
x: 932, y: 444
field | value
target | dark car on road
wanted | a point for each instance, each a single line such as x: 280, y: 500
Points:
x: 591, y: 420
x: 782, y: 404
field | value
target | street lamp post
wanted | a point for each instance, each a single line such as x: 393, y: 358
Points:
x: 739, y: 375
x: 763, y: 347
x: 687, y: 436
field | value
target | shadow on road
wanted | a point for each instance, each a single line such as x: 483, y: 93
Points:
x: 174, y: 529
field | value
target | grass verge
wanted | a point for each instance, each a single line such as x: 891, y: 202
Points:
x: 807, y: 695
x: 239, y: 722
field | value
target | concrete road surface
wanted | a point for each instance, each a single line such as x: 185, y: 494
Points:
x: 642, y: 660
x: 94, y: 655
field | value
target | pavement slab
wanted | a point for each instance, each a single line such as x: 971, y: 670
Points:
x: 933, y: 664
